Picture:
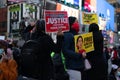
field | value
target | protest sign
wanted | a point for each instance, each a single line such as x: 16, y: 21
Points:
x: 84, y: 42
x: 55, y: 20
x: 88, y: 18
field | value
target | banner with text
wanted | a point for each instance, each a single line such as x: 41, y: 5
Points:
x: 55, y: 20
x: 88, y: 18
x: 84, y: 42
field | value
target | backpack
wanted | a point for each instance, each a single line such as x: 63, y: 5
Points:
x: 29, y: 59
x: 60, y: 72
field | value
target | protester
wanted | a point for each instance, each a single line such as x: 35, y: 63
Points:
x: 74, y: 62
x: 26, y: 34
x: 96, y: 57
x: 118, y: 51
x: 60, y: 72
x: 108, y: 60
x: 8, y: 66
x: 106, y: 53
x: 115, y: 56
x: 46, y: 47
x: 22, y: 26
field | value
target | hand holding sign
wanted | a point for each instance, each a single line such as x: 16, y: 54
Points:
x: 84, y: 54
x: 60, y: 32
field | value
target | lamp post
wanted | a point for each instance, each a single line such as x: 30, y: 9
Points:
x: 42, y: 8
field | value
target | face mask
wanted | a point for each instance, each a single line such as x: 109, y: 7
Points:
x: 76, y: 26
x: 1, y: 51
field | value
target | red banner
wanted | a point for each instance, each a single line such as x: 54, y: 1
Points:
x: 55, y: 20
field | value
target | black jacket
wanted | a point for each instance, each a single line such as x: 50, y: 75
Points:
x: 99, y: 67
x: 47, y: 47
x: 26, y: 35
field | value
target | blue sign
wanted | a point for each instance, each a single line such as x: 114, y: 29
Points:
x: 106, y: 11
x: 76, y: 2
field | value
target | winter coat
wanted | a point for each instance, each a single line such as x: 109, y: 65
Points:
x: 73, y: 60
x: 96, y: 57
x: 47, y: 46
x: 26, y: 34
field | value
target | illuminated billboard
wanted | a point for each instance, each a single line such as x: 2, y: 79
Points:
x: 90, y: 5
x: 70, y: 11
x: 76, y: 2
x: 69, y: 1
x: 105, y: 12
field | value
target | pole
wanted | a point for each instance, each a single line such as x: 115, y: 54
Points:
x: 44, y: 8
x: 40, y: 8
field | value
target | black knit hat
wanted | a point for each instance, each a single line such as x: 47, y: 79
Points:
x: 40, y: 25
x: 71, y: 20
x: 93, y: 27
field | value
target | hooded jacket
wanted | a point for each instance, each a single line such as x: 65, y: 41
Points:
x: 47, y: 47
x: 74, y: 26
x: 73, y: 60
x: 97, y: 38
x: 96, y: 58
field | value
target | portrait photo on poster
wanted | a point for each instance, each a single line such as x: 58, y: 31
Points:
x: 84, y: 42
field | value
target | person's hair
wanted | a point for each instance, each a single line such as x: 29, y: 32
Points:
x: 40, y: 25
x: 71, y: 20
x: 22, y: 24
x: 93, y: 27
x: 8, y: 69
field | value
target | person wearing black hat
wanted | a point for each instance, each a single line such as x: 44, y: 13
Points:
x: 46, y: 46
x: 74, y: 26
x: 96, y: 57
x: 26, y: 33
x: 74, y: 62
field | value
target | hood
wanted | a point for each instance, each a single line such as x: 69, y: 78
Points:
x: 71, y: 20
x: 40, y: 25
x: 93, y: 27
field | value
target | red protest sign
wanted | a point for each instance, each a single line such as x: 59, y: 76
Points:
x: 56, y: 19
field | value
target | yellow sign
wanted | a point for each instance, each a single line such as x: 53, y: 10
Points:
x: 88, y: 18
x: 84, y: 42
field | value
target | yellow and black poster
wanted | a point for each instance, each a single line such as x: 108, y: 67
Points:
x: 88, y: 18
x: 84, y: 42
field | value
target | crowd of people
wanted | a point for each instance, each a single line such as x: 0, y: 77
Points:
x: 15, y: 55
